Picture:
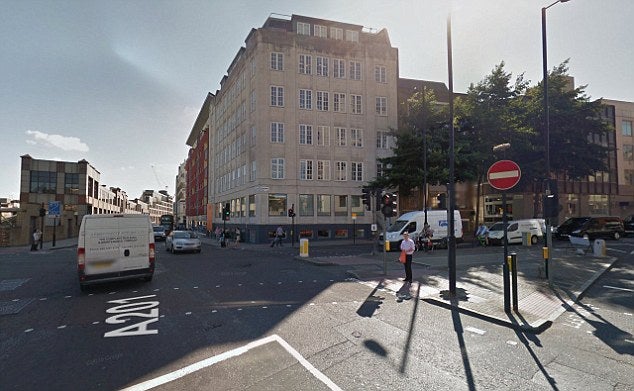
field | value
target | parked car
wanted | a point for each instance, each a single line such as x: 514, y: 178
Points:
x: 516, y: 229
x: 628, y: 225
x: 159, y: 234
x: 181, y: 241
x: 606, y: 227
x: 563, y: 231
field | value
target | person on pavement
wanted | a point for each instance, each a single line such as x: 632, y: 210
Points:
x: 279, y: 234
x: 408, y: 246
x: 482, y: 234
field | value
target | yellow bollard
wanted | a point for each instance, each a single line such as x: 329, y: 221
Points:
x: 303, y: 248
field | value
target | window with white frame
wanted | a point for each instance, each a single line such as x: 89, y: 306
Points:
x: 323, y: 170
x: 277, y: 168
x: 341, y: 205
x: 357, y: 171
x: 305, y: 64
x: 380, y: 170
x: 626, y: 128
x: 306, y: 170
x: 380, y: 74
x: 356, y: 138
x: 323, y: 136
x: 382, y: 139
x: 253, y: 135
x: 305, y: 134
x: 322, y: 66
x: 340, y: 136
x: 341, y: 171
x: 336, y: 33
x: 254, y: 171
x: 277, y: 61
x: 355, y: 70
x: 339, y: 68
x: 356, y: 104
x: 306, y: 204
x: 352, y: 36
x: 277, y: 132
x: 320, y: 31
x: 306, y: 99
x: 252, y: 101
x: 381, y: 105
x: 277, y: 96
x: 322, y: 101
x: 628, y: 152
x: 303, y: 28
x: 339, y: 102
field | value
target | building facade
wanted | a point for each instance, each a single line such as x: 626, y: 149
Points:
x: 180, y: 196
x: 301, y: 117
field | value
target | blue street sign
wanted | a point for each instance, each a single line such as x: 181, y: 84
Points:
x: 54, y: 208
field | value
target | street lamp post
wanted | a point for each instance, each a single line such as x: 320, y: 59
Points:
x: 547, y: 128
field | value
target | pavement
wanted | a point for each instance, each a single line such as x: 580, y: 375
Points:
x: 479, y: 282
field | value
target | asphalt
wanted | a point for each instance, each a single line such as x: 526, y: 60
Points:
x: 479, y: 282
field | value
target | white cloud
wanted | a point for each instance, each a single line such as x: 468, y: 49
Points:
x: 56, y: 140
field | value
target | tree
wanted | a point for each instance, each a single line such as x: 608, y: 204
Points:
x: 405, y: 168
x: 578, y: 134
x: 487, y: 117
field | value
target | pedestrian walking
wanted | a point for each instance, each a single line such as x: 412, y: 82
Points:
x: 279, y: 234
x: 408, y: 247
x: 237, y: 242
x: 36, y: 239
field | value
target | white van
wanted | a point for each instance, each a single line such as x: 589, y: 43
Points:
x: 515, y: 230
x: 115, y: 247
x: 413, y: 223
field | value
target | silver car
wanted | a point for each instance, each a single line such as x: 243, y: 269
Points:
x: 181, y: 241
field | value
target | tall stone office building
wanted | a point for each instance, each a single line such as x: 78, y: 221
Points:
x: 300, y: 119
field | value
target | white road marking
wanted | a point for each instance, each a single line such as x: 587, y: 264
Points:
x: 28, y: 330
x: 177, y: 374
x: 474, y: 330
x: 617, y: 288
x: 61, y: 327
x: 627, y: 313
x: 629, y: 341
x: 511, y: 343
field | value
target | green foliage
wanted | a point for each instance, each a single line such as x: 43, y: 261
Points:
x: 495, y: 111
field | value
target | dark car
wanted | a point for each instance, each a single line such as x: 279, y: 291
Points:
x: 563, y: 231
x: 628, y: 225
x: 605, y: 227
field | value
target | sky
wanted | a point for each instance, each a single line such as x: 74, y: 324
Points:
x: 120, y: 83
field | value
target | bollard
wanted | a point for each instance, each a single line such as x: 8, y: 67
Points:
x: 513, y: 257
x: 303, y: 248
x: 506, y: 281
x: 599, y: 248
x: 546, y: 256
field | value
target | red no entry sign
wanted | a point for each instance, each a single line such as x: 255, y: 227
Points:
x: 504, y: 174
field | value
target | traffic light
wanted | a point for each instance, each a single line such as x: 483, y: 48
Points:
x: 442, y: 201
x: 551, y: 206
x: 226, y: 212
x: 551, y: 201
x: 379, y: 200
x: 389, y: 202
x: 291, y: 211
x: 367, y: 198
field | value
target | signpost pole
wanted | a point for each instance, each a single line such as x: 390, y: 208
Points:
x: 503, y: 175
